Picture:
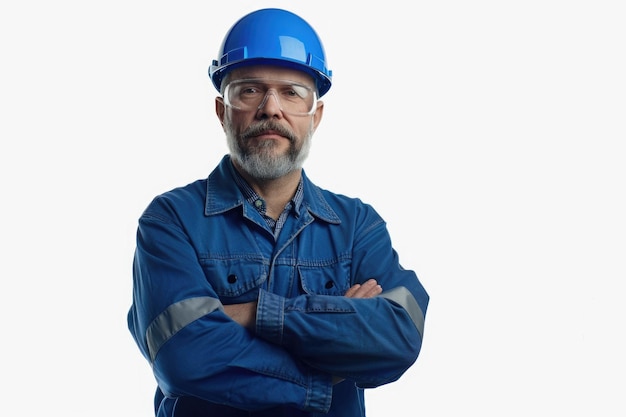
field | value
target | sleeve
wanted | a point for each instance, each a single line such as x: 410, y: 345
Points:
x: 195, y: 349
x: 370, y: 341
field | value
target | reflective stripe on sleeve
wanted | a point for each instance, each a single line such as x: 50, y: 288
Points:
x: 406, y: 300
x: 175, y: 317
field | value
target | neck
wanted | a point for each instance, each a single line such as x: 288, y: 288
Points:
x: 275, y: 192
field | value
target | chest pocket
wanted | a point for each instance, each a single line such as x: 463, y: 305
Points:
x: 236, y: 279
x: 327, y: 279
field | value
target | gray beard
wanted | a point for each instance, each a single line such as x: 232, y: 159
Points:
x: 259, y: 161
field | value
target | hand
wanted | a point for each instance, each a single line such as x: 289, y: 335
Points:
x: 368, y: 289
x: 244, y: 314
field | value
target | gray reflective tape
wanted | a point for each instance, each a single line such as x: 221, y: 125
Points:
x: 176, y: 317
x: 403, y: 297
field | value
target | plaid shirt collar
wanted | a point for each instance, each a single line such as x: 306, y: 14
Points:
x: 257, y: 202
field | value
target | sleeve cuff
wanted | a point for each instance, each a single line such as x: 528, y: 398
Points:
x: 270, y: 316
x: 320, y: 393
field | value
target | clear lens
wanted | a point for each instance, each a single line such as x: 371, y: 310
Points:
x: 252, y: 94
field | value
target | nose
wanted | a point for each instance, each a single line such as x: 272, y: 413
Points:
x: 270, y: 107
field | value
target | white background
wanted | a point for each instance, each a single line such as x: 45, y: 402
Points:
x: 489, y: 134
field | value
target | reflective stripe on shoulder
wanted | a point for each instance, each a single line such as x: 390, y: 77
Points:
x: 403, y: 297
x: 176, y: 317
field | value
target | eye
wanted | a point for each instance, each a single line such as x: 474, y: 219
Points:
x: 296, y: 91
x: 249, y: 90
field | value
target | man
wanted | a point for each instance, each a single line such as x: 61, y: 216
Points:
x: 256, y: 293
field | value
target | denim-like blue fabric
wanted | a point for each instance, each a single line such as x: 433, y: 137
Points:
x: 203, y: 246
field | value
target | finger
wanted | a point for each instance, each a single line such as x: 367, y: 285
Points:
x: 373, y: 291
x: 368, y: 289
x: 376, y: 290
x: 352, y: 290
x: 369, y: 284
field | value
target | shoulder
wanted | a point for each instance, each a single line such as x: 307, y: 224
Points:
x: 329, y: 204
x: 186, y: 198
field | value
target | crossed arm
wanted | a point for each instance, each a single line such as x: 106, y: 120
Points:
x: 245, y: 313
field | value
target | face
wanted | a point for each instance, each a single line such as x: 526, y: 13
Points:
x: 266, y: 142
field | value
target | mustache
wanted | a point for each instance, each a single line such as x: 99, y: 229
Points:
x: 266, y: 125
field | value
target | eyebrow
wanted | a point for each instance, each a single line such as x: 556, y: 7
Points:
x: 269, y: 81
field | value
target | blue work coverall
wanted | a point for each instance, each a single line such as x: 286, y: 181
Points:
x: 203, y: 246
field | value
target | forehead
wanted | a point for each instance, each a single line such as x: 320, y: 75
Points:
x: 271, y: 72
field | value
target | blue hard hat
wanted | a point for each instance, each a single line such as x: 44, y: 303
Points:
x: 272, y: 37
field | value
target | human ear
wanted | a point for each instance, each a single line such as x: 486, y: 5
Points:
x: 220, y: 109
x: 317, y: 116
